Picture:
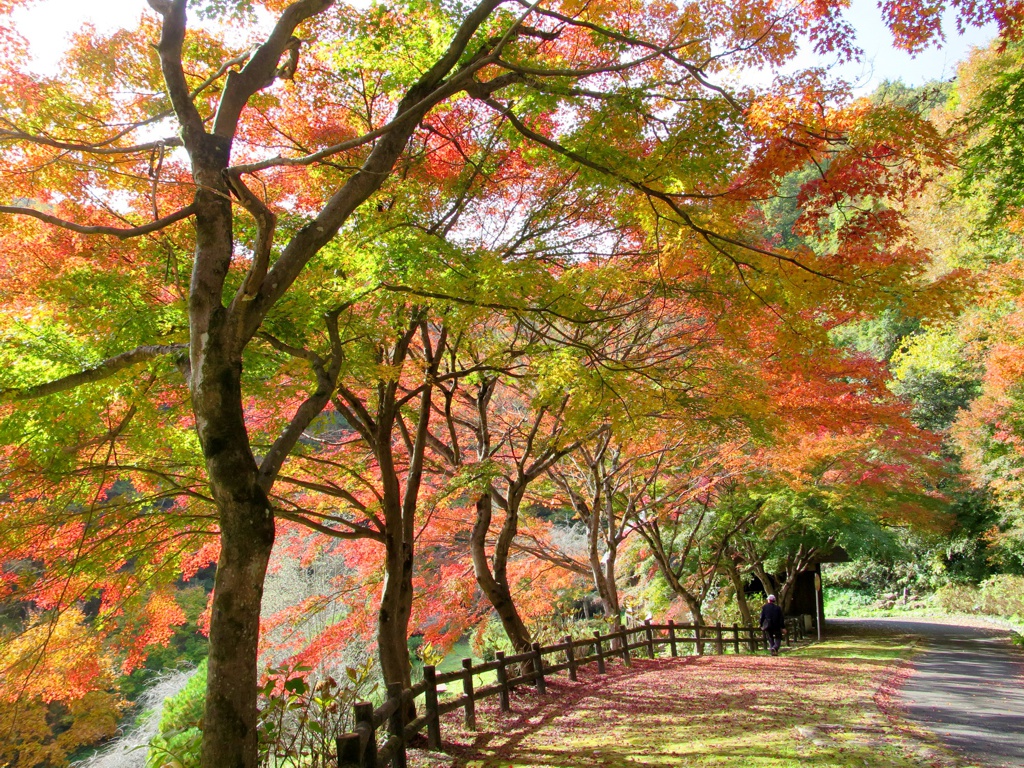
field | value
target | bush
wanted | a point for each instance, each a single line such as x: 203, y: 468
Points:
x: 846, y: 602
x: 299, y: 718
x: 879, y: 577
x: 722, y: 607
x: 1003, y: 596
x: 958, y: 598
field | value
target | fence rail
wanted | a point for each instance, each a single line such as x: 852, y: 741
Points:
x: 360, y: 748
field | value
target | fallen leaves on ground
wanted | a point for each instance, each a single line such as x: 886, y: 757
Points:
x: 756, y: 711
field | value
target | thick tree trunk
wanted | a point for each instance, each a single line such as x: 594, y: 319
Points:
x: 693, y: 605
x: 603, y: 572
x: 786, y: 592
x: 767, y: 581
x: 495, y: 585
x: 245, y: 517
x: 604, y: 580
x: 229, y: 721
x: 247, y: 538
x: 394, y: 613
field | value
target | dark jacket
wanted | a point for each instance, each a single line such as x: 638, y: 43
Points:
x: 771, y: 618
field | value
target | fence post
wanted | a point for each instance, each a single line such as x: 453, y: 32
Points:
x: 599, y: 651
x: 698, y: 642
x: 753, y: 640
x: 502, y: 681
x: 538, y: 665
x: 789, y: 635
x: 736, y: 639
x: 570, y: 657
x: 348, y: 750
x: 672, y: 637
x: 433, y: 718
x: 719, y: 648
x: 360, y: 747
x: 467, y: 689
x: 396, y: 725
x: 624, y: 635
x: 650, y: 638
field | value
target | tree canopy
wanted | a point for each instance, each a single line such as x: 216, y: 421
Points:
x: 370, y: 279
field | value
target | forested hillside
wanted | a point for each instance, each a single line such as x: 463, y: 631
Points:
x: 336, y: 338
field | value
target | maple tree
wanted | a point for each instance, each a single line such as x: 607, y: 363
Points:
x: 173, y: 216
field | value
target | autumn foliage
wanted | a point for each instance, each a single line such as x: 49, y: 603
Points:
x: 348, y: 294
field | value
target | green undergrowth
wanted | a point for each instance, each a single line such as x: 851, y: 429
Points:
x: 814, y: 706
x: 998, y: 599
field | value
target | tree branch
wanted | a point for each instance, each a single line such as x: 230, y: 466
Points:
x: 122, y: 233
x: 107, y: 368
x: 262, y: 67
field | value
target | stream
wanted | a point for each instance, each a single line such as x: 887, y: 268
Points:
x: 129, y: 749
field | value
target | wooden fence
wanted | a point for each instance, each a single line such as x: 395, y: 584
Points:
x: 359, y: 749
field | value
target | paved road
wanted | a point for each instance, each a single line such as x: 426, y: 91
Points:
x: 967, y: 687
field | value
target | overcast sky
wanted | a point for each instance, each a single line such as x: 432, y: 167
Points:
x: 48, y: 23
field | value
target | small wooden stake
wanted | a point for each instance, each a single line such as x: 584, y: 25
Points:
x: 433, y: 717
x: 366, y: 750
x: 538, y: 665
x: 467, y: 689
x: 396, y: 725
x: 503, y: 682
x: 570, y: 657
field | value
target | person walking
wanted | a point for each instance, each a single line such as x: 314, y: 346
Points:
x: 772, y: 622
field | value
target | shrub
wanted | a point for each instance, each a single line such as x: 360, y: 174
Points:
x: 1003, y: 595
x: 722, y: 607
x: 846, y: 602
x: 958, y: 598
x: 299, y: 718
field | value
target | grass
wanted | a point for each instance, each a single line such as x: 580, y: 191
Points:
x: 817, y: 706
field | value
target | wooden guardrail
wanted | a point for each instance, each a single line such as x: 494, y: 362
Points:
x: 360, y: 749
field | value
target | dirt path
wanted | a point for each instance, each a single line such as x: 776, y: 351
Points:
x: 967, y: 687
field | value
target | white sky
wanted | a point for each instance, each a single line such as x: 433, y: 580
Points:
x: 48, y: 23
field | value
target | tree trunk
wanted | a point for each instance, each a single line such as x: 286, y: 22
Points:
x: 741, y: 595
x: 603, y: 573
x: 767, y: 581
x: 229, y: 721
x: 610, y: 590
x: 493, y: 585
x: 247, y: 538
x: 604, y: 579
x: 786, y: 592
x: 693, y: 605
x: 394, y: 613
